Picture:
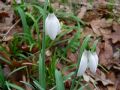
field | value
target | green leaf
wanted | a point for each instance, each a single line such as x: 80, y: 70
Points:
x: 23, y: 18
x: 93, y: 49
x: 59, y: 80
x: 27, y: 84
x: 16, y: 70
x: 83, y: 87
x: 41, y: 72
x: 2, y: 79
x: 83, y: 47
x: 26, y: 28
x: 13, y: 86
x: 68, y: 76
x: 38, y: 85
x: 5, y: 60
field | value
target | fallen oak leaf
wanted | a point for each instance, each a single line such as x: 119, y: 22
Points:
x: 106, y: 53
x: 101, y: 26
x: 115, y: 36
x: 95, y: 24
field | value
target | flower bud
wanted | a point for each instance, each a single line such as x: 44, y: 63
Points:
x: 52, y: 26
x: 83, y: 64
x: 92, y: 64
x: 88, y: 60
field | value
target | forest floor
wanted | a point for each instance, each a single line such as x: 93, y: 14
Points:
x: 99, y: 18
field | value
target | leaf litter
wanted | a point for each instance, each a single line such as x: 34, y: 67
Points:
x: 107, y: 29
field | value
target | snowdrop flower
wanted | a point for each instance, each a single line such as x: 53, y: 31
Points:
x: 52, y: 26
x: 88, y: 60
x: 18, y: 1
x: 83, y: 63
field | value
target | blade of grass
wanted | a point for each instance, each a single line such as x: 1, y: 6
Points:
x: 2, y: 79
x: 94, y: 46
x: 82, y: 88
x: 27, y: 84
x: 13, y: 86
x: 5, y: 60
x: 38, y: 85
x: 23, y: 18
x: 68, y: 76
x: 59, y: 80
x: 20, y: 68
x: 24, y: 23
x: 41, y: 72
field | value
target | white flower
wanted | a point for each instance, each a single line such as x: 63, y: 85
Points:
x: 92, y: 62
x: 83, y: 64
x: 18, y: 1
x: 88, y: 60
x: 52, y: 26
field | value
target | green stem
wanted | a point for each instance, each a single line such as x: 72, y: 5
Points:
x: 42, y: 78
x: 73, y: 82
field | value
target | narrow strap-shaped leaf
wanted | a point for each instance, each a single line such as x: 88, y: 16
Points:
x: 93, y: 49
x: 5, y: 60
x: 13, y: 86
x: 41, y: 72
x: 20, y: 68
x: 59, y: 81
x: 23, y: 18
x: 2, y: 79
x: 38, y: 85
x: 83, y: 47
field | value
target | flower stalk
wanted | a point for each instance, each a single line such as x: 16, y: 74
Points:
x: 42, y: 74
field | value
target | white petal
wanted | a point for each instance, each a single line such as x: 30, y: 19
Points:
x: 18, y: 1
x: 92, y: 62
x: 96, y: 57
x: 83, y: 64
x: 52, y: 26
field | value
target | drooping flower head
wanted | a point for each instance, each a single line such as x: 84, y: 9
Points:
x: 83, y: 63
x: 52, y: 26
x: 88, y: 60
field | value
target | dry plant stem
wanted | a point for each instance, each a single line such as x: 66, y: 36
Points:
x: 10, y: 29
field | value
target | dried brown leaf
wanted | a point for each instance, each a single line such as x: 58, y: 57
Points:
x: 82, y: 12
x: 101, y: 26
x: 72, y: 56
x: 106, y: 53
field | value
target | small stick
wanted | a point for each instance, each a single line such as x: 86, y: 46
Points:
x: 10, y: 29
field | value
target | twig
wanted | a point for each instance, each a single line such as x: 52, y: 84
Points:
x: 10, y: 29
